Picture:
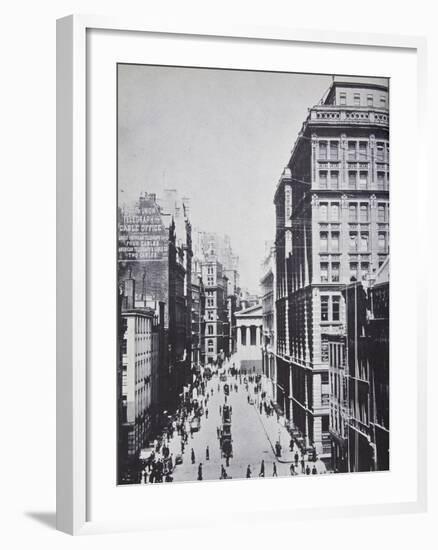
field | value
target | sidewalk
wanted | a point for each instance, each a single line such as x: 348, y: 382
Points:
x: 276, y: 431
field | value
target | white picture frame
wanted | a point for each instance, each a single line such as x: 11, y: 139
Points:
x: 74, y: 212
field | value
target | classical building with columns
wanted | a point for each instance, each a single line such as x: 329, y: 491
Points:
x: 332, y: 227
x: 249, y: 339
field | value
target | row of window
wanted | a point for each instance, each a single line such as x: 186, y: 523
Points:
x: 357, y: 242
x: 334, y: 209
x: 329, y: 272
x: 356, y: 179
x: 361, y: 100
x: 356, y: 151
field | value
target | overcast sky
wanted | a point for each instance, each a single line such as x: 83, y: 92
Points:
x: 221, y: 138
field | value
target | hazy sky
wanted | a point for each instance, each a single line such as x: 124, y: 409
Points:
x: 221, y: 138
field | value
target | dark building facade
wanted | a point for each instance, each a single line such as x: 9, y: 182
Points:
x: 359, y: 378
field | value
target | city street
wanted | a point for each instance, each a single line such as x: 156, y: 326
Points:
x: 252, y: 437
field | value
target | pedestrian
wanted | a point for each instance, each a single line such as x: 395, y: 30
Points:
x: 207, y: 453
x: 211, y: 391
x: 247, y: 398
x: 307, y: 470
x: 291, y: 445
x: 292, y: 469
x: 193, y: 456
x: 296, y: 458
x: 302, y: 466
x: 206, y: 413
x: 220, y: 410
x: 261, y: 407
x: 262, y: 469
x: 200, y: 472
x: 314, y: 470
x: 274, y: 471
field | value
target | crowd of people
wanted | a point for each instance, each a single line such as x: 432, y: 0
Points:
x: 161, y: 462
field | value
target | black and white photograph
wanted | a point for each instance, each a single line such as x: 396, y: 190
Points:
x: 253, y: 261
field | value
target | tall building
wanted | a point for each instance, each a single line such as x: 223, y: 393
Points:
x: 211, y: 248
x: 198, y: 315
x: 216, y: 310
x: 332, y: 227
x: 155, y: 249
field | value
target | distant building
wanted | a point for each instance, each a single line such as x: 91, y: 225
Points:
x: 198, y: 315
x: 249, y: 328
x: 216, y: 312
x: 267, y: 284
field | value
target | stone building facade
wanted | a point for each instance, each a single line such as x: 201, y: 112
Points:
x: 332, y: 212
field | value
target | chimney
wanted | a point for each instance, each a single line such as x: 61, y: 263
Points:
x: 129, y: 292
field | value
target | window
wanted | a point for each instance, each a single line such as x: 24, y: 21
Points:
x: 352, y: 180
x: 364, y: 242
x: 352, y: 212
x: 210, y: 315
x: 335, y: 272
x: 353, y: 271
x: 342, y: 98
x: 334, y: 180
x: 363, y: 212
x: 380, y: 152
x: 334, y: 213
x: 353, y: 242
x: 209, y: 329
x: 324, y: 272
x: 323, y: 238
x: 324, y: 308
x: 351, y: 150
x: 210, y: 281
x: 210, y: 270
x: 370, y: 100
x: 381, y: 180
x: 323, y: 180
x: 210, y: 346
x: 334, y: 243
x: 382, y: 242
x: 323, y: 150
x: 383, y: 102
x: 334, y: 150
x: 356, y: 99
x: 363, y: 180
x: 362, y: 150
x: 210, y: 302
x: 323, y: 208
x: 381, y: 213
x: 364, y: 269
x: 336, y: 308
